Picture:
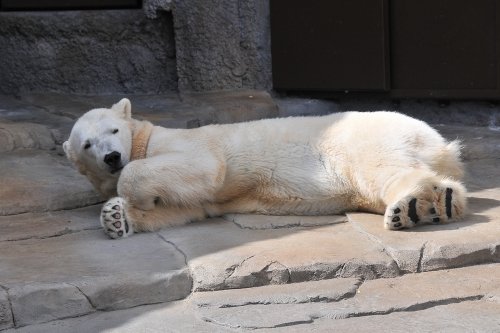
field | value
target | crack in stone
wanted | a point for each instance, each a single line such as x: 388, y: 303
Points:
x: 419, y: 265
x: 417, y: 306
x: 286, y: 226
x: 186, y: 262
x: 10, y: 304
x: 94, y: 307
x: 375, y: 239
x: 317, y: 299
x: 175, y: 246
x: 55, y: 112
x: 48, y: 211
x: 294, y: 225
x: 292, y: 323
x: 58, y: 234
x: 353, y: 293
x: 340, y: 272
x: 233, y: 268
x: 411, y: 308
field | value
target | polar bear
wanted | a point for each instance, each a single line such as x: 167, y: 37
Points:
x: 380, y: 162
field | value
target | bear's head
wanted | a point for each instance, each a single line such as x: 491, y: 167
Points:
x: 100, y: 145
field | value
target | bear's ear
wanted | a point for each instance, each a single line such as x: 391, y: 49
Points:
x: 71, y: 157
x: 67, y: 150
x: 123, y: 108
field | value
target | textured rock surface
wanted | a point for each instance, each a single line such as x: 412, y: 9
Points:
x: 33, y: 181
x: 260, y: 222
x: 458, y: 300
x: 153, y: 7
x: 169, y: 317
x: 42, y: 302
x: 218, y: 45
x: 90, y: 254
x: 331, y: 290
x: 302, y: 273
x: 25, y: 136
x: 466, y: 316
x: 373, y: 298
x: 474, y: 316
x: 49, y: 224
x: 77, y: 273
x: 221, y: 255
x: 5, y: 311
x: 222, y: 44
x: 122, y: 291
x: 475, y: 239
x: 110, y: 51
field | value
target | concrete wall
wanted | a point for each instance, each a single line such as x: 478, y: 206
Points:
x: 187, y: 45
x: 89, y: 52
x: 222, y: 44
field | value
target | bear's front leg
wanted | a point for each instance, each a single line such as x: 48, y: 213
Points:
x: 114, y: 219
x: 120, y: 219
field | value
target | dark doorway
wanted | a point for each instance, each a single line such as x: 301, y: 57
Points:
x: 402, y: 48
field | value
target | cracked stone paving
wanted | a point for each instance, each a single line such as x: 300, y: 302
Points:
x: 60, y: 273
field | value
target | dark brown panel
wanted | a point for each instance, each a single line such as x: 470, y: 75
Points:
x: 444, y: 45
x: 329, y: 45
x: 65, y: 4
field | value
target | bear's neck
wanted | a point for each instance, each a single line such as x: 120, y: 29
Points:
x: 141, y: 131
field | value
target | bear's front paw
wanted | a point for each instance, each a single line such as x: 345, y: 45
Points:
x: 113, y: 219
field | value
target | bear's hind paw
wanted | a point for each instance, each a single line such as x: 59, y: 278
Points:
x: 437, y: 203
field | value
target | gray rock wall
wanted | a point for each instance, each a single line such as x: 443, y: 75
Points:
x: 222, y: 44
x: 89, y: 52
x: 186, y: 45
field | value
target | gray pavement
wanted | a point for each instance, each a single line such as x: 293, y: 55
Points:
x: 59, y: 273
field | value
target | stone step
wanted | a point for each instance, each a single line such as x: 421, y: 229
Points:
x: 56, y: 263
x: 223, y: 255
x: 82, y: 272
x: 25, y: 136
x: 49, y: 224
x: 38, y: 181
x: 457, y: 300
x: 284, y: 306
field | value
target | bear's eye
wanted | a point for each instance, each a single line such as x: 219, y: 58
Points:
x: 115, y: 131
x: 87, y: 145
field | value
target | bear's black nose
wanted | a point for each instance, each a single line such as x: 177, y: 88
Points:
x: 113, y: 159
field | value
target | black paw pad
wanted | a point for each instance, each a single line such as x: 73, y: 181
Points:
x: 412, y: 211
x: 116, y: 207
x: 449, y: 193
x: 436, y: 220
x: 397, y: 211
x: 116, y: 215
x: 395, y: 219
x: 397, y: 225
x: 432, y: 211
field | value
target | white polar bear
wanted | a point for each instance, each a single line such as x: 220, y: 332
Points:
x: 381, y: 162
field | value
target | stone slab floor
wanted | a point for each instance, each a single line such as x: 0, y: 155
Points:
x: 59, y: 272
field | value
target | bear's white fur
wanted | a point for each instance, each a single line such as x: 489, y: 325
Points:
x: 381, y: 162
